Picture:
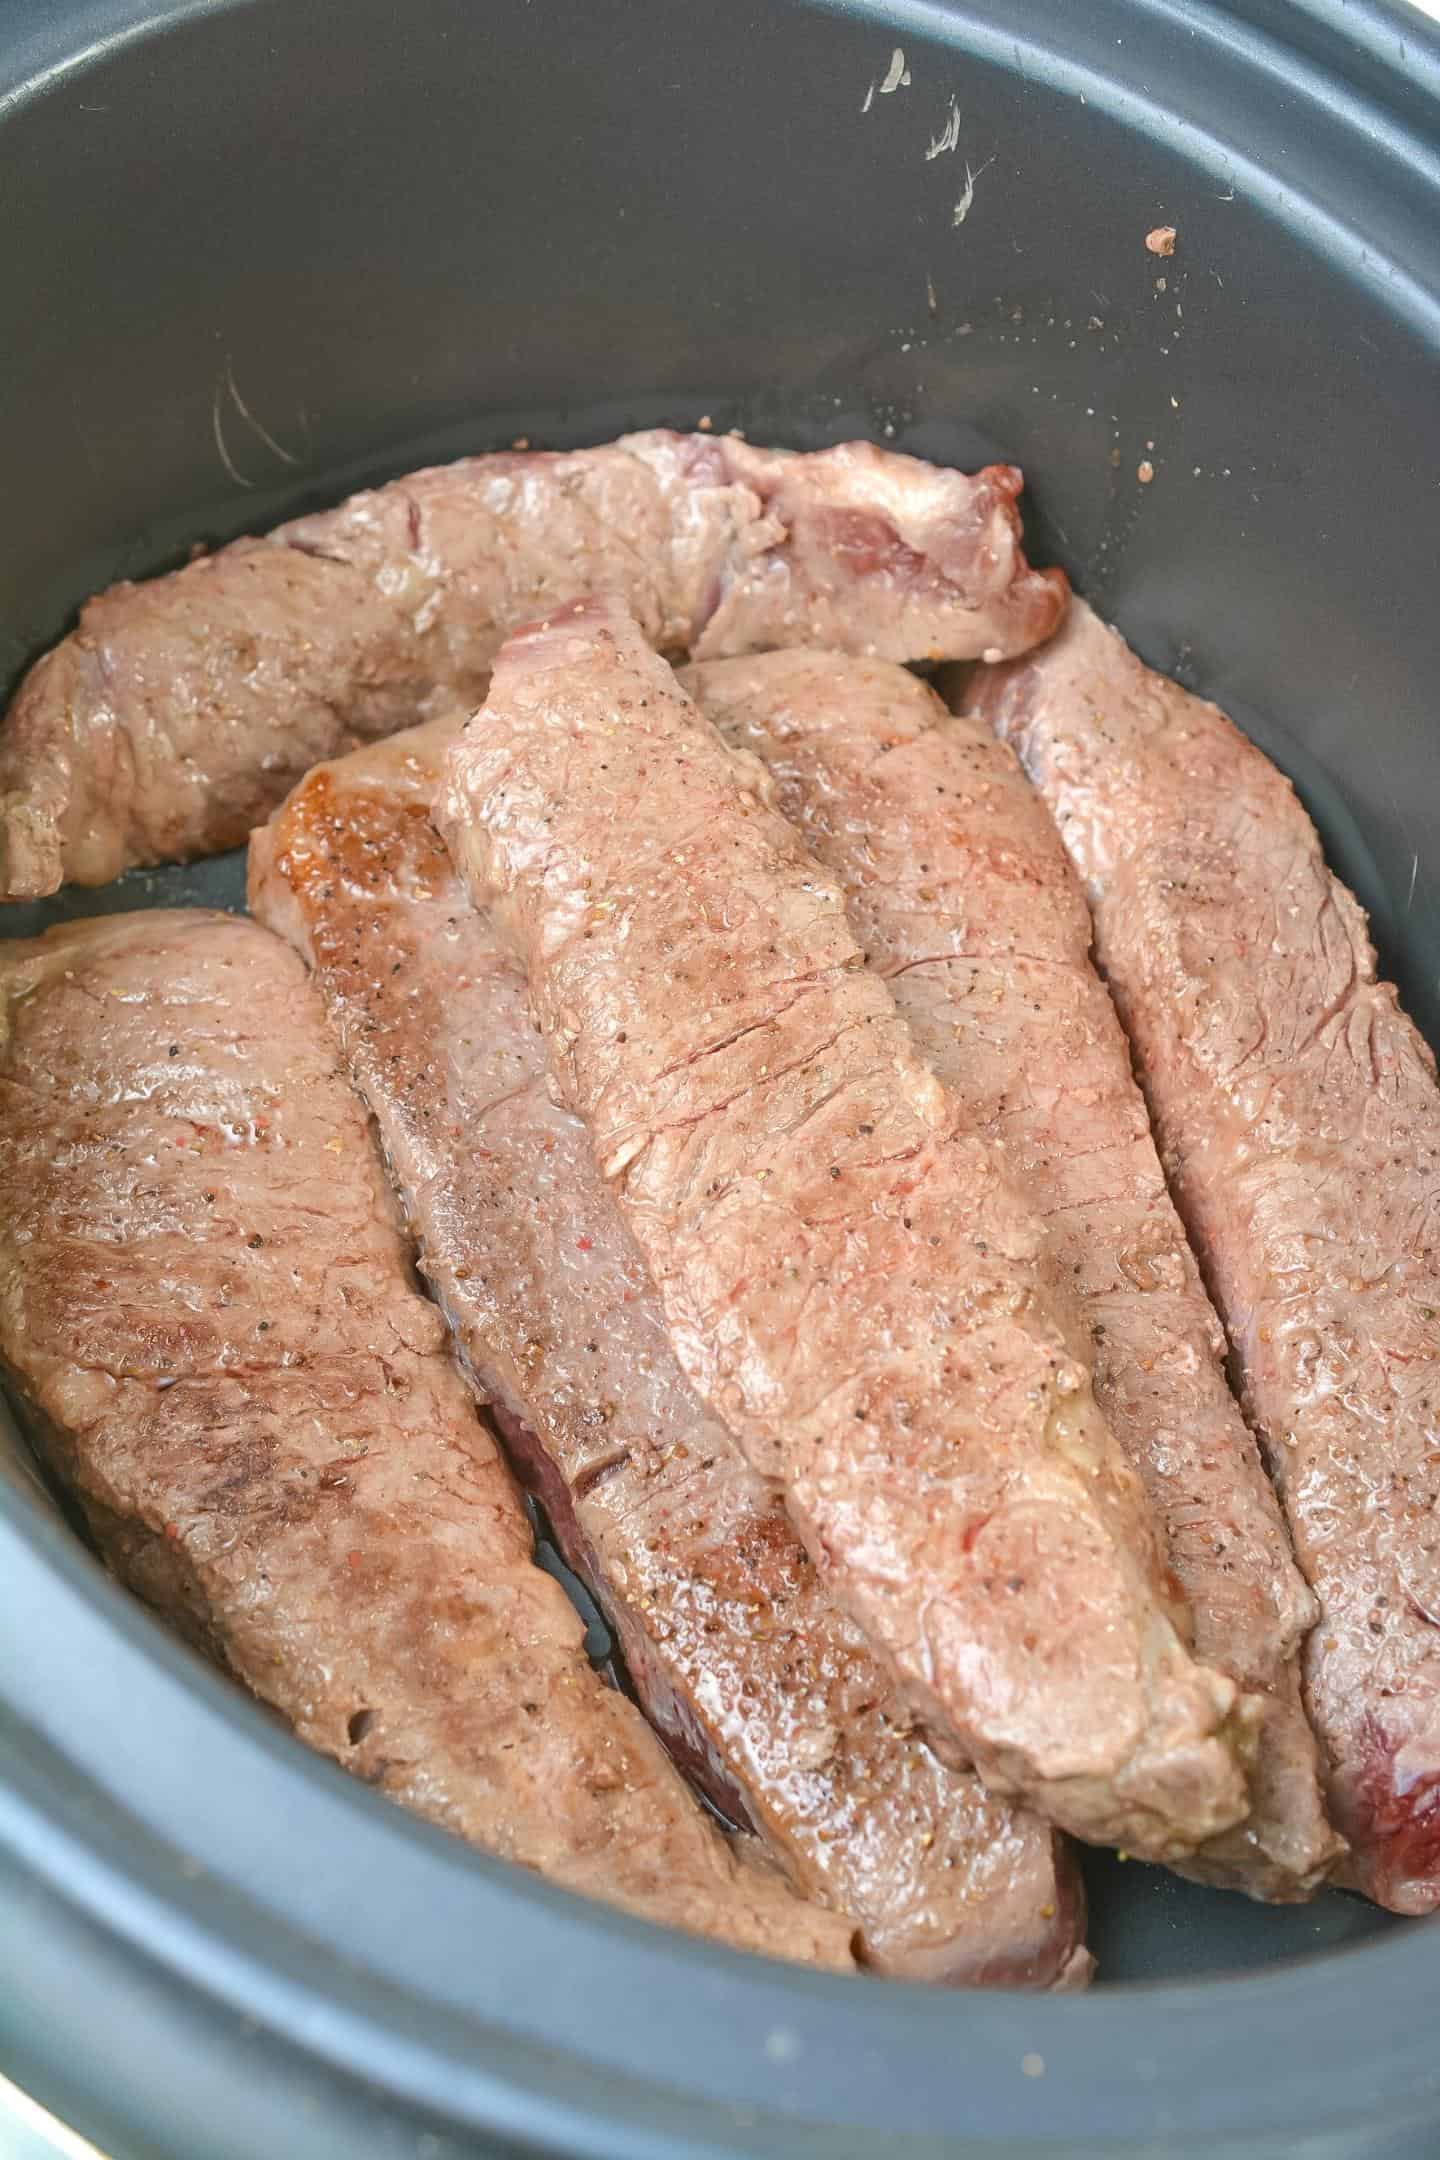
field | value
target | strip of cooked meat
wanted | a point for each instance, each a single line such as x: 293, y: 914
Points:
x: 961, y: 896
x: 1299, y: 1123
x: 848, y: 1278
x: 766, y: 1691
x: 205, y: 1299
x: 180, y: 711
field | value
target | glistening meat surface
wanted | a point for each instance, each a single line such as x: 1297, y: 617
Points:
x: 960, y: 894
x: 179, y: 712
x: 741, y: 1658
x: 1300, y: 1127
x: 848, y: 1277
x: 204, y: 1298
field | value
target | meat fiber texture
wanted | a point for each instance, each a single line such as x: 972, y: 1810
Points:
x: 764, y: 1690
x: 848, y: 1278
x: 179, y: 712
x: 1299, y: 1124
x: 961, y: 895
x: 205, y: 1301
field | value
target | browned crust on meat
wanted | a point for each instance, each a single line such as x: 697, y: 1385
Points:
x: 204, y: 1295
x: 179, y: 712
x: 1299, y: 1124
x: 847, y: 1275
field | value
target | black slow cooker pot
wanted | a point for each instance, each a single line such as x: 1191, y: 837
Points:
x: 256, y: 252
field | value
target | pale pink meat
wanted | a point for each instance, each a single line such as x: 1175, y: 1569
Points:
x: 961, y: 897
x: 761, y: 1686
x: 848, y: 1277
x: 179, y: 712
x: 960, y: 893
x: 206, y: 1301
x: 1299, y: 1124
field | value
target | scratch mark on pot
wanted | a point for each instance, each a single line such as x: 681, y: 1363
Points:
x: 949, y: 135
x: 897, y: 75
x: 962, y: 208
x: 219, y: 433
x: 1414, y: 873
x: 869, y: 96
x: 285, y: 456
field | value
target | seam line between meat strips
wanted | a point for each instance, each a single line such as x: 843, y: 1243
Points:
x: 763, y: 1690
x: 181, y: 711
x: 1299, y: 1124
x: 847, y: 1276
x: 962, y: 897
x: 206, y: 1302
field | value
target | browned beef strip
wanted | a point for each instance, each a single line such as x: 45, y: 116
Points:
x: 1300, y: 1126
x: 759, y: 1683
x: 960, y: 893
x: 205, y: 1298
x: 180, y: 712
x: 847, y: 1276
